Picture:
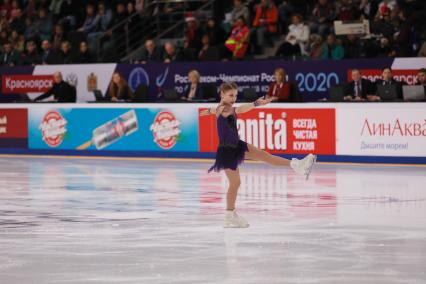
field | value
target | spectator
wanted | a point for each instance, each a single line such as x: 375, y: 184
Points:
x: 403, y: 36
x: 193, y: 91
x: 422, y: 51
x: 359, y: 88
x: 31, y: 32
x: 9, y: 56
x: 69, y: 11
x: 48, y: 55
x: 151, y: 53
x: 91, y: 21
x: 134, y: 25
x: 315, y: 48
x: 215, y: 33
x: 421, y: 77
x: 4, y: 37
x: 352, y: 47
x: 285, y: 10
x: 282, y: 90
x: 113, y: 48
x: 296, y: 40
x: 346, y: 11
x: 65, y: 53
x: 31, y: 56
x: 55, y: 8
x: 237, y: 43
x: 104, y: 16
x: 61, y: 91
x: 15, y: 8
x: 170, y: 54
x: 187, y: 53
x: 239, y: 10
x: 332, y: 48
x: 265, y: 21
x: 119, y: 89
x: 18, y: 22
x: 193, y: 33
x: 17, y: 41
x: 385, y: 49
x: 206, y: 49
x: 43, y: 25
x: 6, y: 9
x: 84, y: 55
x: 323, y: 16
x: 58, y: 37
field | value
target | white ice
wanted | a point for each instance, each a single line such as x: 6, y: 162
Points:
x: 137, y: 221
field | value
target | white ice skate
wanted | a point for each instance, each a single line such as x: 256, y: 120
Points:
x: 233, y: 220
x: 303, y: 166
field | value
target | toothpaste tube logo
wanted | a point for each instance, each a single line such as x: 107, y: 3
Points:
x: 53, y: 128
x: 166, y: 129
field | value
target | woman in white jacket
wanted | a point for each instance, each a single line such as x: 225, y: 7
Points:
x: 296, y: 39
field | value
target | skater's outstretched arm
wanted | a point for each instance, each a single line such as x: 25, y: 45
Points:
x: 259, y: 102
x: 208, y: 111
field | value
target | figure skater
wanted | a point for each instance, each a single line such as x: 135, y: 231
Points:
x: 232, y: 151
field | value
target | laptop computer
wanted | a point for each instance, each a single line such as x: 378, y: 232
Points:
x: 99, y: 96
x: 413, y: 93
x: 387, y: 92
x: 249, y: 95
x: 336, y: 93
x: 170, y: 95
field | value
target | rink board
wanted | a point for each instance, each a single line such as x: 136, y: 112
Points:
x: 364, y: 132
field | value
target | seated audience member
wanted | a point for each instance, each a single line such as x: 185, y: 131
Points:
x: 265, y: 21
x: 296, y: 40
x: 387, y: 79
x: 421, y: 77
x: 61, y: 91
x: 237, y: 42
x: 359, y: 88
x: 31, y: 56
x: 9, y: 56
x: 151, y: 53
x: 193, y: 91
x: 281, y: 90
x: 332, y: 48
x: 170, y: 53
x: 118, y: 89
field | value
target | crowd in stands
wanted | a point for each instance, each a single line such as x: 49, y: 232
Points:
x: 77, y: 31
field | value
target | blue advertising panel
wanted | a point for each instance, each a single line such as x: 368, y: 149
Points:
x: 119, y: 129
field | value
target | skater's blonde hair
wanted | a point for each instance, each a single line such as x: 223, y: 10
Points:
x: 227, y: 86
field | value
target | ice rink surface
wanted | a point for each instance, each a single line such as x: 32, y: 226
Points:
x: 70, y: 220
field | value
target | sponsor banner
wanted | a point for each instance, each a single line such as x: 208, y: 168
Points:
x: 284, y: 131
x: 382, y: 132
x: 409, y: 76
x: 13, y: 128
x: 125, y: 129
x: 20, y: 84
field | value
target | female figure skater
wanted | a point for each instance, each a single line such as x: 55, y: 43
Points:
x: 232, y: 151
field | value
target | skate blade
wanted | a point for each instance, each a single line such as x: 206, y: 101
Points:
x: 310, y: 167
x: 231, y: 226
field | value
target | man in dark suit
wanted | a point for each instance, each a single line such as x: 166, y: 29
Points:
x: 61, y: 91
x: 151, y: 53
x: 48, y: 55
x: 359, y: 88
x: 9, y: 56
x: 387, y: 79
